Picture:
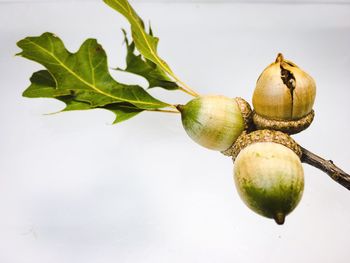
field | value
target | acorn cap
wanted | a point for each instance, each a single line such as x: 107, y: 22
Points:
x: 246, y: 139
x: 287, y: 126
x: 246, y: 111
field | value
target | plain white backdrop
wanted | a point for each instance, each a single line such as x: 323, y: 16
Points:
x: 74, y: 188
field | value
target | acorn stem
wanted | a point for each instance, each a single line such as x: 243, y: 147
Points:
x: 326, y: 166
x: 179, y: 107
x: 165, y: 111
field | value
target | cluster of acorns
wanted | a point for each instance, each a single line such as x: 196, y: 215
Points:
x: 267, y: 169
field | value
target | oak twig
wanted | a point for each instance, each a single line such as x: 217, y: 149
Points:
x: 326, y: 166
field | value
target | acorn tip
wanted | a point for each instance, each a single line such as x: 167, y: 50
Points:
x: 279, y: 58
x: 279, y: 218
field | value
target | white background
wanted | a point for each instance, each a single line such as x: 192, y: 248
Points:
x: 74, y: 188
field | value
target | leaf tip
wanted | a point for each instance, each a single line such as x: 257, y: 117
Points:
x: 19, y: 54
x: 25, y: 94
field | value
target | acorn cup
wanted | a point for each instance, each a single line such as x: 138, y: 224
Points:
x: 284, y: 97
x: 268, y: 173
x: 215, y: 121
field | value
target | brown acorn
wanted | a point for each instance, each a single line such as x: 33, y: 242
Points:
x: 283, y: 98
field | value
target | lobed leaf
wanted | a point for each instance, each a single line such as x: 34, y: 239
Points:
x: 81, y: 80
x: 146, y: 68
x: 84, y: 74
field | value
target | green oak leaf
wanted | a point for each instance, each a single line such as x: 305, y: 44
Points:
x: 83, y: 75
x: 145, y: 43
x: 43, y: 85
x: 146, y: 68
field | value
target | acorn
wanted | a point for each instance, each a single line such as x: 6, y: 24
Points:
x: 283, y: 98
x: 215, y: 121
x: 268, y: 173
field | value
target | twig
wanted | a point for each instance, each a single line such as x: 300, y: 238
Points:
x: 326, y: 166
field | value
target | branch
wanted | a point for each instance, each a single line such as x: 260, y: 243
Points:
x: 328, y: 167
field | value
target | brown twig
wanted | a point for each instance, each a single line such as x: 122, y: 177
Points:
x: 326, y: 166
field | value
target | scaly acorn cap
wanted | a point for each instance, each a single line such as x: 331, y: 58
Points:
x: 287, y: 126
x: 246, y: 111
x: 246, y: 139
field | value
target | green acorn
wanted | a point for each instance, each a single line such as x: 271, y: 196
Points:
x: 215, y: 121
x: 268, y: 173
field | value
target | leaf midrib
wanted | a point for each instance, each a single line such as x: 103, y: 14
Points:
x: 84, y: 81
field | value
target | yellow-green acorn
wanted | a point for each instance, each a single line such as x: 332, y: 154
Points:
x: 284, y: 97
x: 215, y: 121
x: 269, y: 178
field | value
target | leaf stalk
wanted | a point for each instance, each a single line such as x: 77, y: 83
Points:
x: 165, y: 111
